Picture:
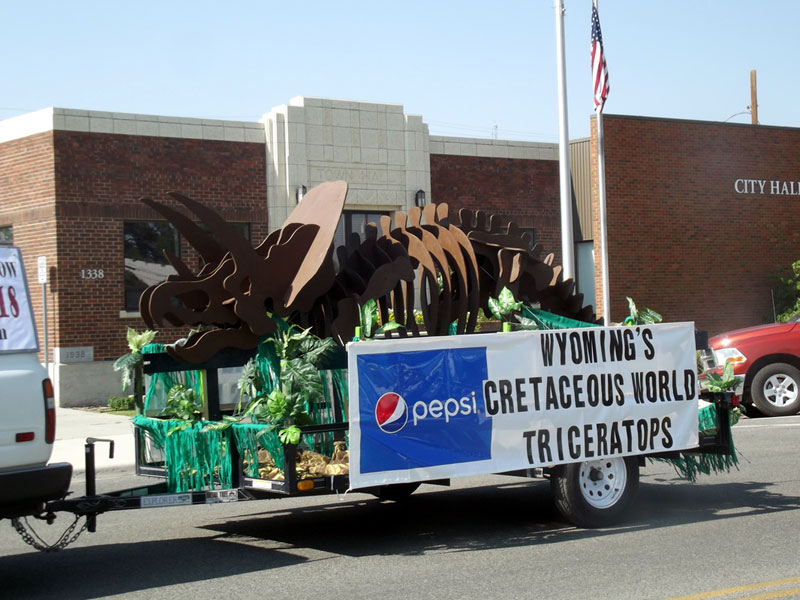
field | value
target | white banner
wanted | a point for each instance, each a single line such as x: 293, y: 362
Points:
x: 17, y: 328
x: 440, y: 407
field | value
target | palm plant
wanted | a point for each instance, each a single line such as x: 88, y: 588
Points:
x: 131, y: 365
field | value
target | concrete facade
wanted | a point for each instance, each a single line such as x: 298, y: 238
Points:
x: 380, y: 151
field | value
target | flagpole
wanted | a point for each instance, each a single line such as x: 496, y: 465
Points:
x: 600, y: 76
x: 601, y: 192
x: 567, y: 249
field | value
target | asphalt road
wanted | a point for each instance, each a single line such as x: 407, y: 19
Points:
x: 735, y: 535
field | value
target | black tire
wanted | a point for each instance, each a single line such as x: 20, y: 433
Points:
x: 776, y: 390
x: 396, y: 492
x: 595, y: 493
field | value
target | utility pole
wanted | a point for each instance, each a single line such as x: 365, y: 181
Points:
x: 753, y: 98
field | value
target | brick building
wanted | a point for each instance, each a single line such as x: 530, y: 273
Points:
x: 699, y: 215
x: 71, y: 183
x: 683, y: 238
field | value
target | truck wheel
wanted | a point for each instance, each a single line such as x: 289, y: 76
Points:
x: 595, y: 493
x: 396, y: 492
x: 776, y: 390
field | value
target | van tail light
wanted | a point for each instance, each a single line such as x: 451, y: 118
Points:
x: 49, y: 411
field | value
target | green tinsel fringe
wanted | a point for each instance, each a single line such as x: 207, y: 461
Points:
x: 690, y: 465
x: 194, y: 459
x: 161, y: 383
x: 248, y: 442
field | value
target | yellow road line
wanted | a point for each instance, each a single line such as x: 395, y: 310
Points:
x: 747, y: 588
x: 795, y: 591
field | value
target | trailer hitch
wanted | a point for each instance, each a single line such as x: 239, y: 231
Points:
x: 91, y: 475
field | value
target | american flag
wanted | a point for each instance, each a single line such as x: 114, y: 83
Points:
x: 599, y: 70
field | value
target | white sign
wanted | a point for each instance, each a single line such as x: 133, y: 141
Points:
x: 17, y: 327
x: 41, y: 264
x: 773, y: 187
x: 165, y: 500
x: 431, y: 408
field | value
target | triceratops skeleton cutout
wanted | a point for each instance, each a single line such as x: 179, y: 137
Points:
x: 447, y: 267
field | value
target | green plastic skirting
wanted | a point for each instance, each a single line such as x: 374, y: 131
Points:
x: 249, y: 442
x: 690, y: 465
x: 194, y: 459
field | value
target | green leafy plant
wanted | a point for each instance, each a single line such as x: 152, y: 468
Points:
x: 504, y: 305
x: 131, y: 364
x: 182, y: 404
x: 644, y: 316
x: 121, y: 403
x: 527, y: 323
x: 300, y: 355
x: 786, y: 292
x: 370, y: 319
x: 250, y: 382
x: 721, y: 383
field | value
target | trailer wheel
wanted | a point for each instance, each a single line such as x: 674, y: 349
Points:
x: 396, y: 492
x: 595, y: 493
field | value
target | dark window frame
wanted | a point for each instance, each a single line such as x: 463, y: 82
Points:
x: 132, y: 291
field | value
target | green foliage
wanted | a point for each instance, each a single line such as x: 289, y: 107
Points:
x: 724, y: 382
x: 526, y: 323
x: 121, y: 403
x: 290, y: 435
x: 129, y: 363
x: 786, y: 292
x: 301, y: 354
x: 644, y: 316
x: 369, y: 319
x: 137, y: 341
x: 250, y: 382
x: 504, y: 305
x: 183, y: 404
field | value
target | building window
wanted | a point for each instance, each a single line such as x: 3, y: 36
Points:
x: 243, y: 229
x: 145, y: 264
x: 355, y: 221
x: 6, y: 234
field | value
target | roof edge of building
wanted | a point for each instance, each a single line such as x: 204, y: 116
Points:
x: 91, y: 121
x: 492, y: 148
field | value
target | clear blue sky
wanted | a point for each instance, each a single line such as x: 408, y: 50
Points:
x: 464, y: 66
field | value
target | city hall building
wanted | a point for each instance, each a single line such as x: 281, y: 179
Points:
x: 699, y: 214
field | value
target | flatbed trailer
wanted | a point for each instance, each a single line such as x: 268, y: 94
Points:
x: 569, y: 482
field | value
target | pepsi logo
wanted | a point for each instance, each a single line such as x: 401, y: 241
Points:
x: 391, y: 412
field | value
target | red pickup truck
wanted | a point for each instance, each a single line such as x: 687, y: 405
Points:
x: 767, y: 360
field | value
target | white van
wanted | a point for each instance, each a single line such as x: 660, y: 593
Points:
x: 27, y: 405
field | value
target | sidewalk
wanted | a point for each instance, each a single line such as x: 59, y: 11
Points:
x: 73, y: 426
